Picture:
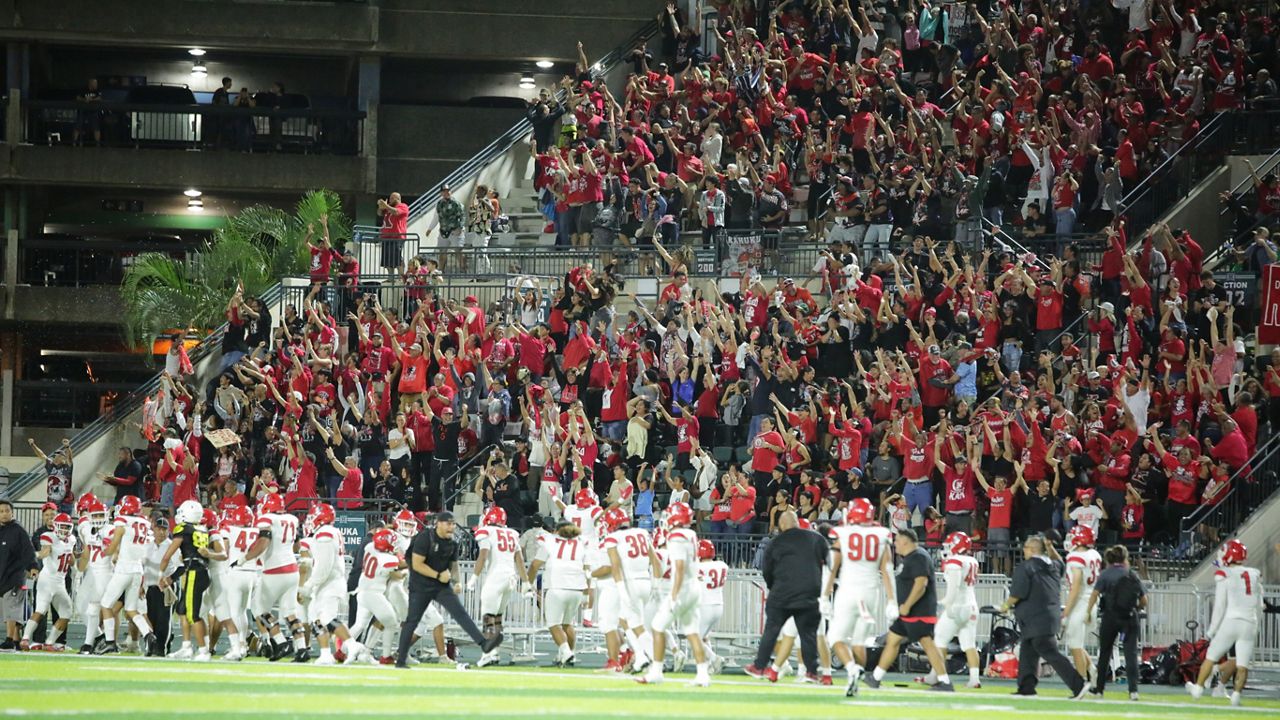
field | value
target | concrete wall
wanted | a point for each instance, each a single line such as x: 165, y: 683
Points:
x: 96, y: 304
x: 175, y: 170
x: 436, y: 28
x: 418, y: 146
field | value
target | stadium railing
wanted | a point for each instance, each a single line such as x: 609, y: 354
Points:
x: 1248, y: 489
x: 193, y: 127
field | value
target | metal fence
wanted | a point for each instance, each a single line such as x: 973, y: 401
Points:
x: 196, y: 127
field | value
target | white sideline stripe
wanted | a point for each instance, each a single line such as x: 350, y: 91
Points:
x: 312, y: 671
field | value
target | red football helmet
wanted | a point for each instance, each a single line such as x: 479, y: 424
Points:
x: 239, y: 517
x: 271, y: 503
x: 706, y: 550
x: 1081, y: 537
x: 129, y: 505
x: 616, y: 518
x: 321, y: 514
x: 384, y: 540
x: 86, y: 500
x: 958, y: 543
x: 860, y: 512
x: 97, y: 513
x: 1233, y: 552
x: 406, y: 524
x: 494, y: 516
x: 209, y: 519
x: 585, y: 498
x: 679, y: 515
x: 62, y: 525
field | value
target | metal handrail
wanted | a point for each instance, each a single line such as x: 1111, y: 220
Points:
x: 198, y: 109
x: 1145, y: 185
x: 1269, y: 451
x: 131, y: 402
x: 520, y: 130
x: 1261, y: 170
x: 997, y: 231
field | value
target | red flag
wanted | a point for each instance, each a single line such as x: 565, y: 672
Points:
x: 184, y: 363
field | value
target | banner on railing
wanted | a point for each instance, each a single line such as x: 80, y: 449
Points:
x: 1269, y: 319
x: 743, y: 249
x: 353, y: 527
x: 1241, y: 287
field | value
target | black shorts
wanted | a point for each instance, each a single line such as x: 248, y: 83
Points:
x: 569, y: 221
x: 912, y: 630
x: 587, y: 217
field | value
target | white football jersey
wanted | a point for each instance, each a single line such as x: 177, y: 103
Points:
x: 586, y: 520
x: 1089, y: 563
x: 564, y: 562
x: 962, y: 571
x: 861, y: 549
x: 682, y: 545
x: 502, y: 544
x: 222, y: 535
x: 132, y: 551
x: 375, y: 570
x: 712, y: 575
x: 239, y: 540
x: 61, y: 555
x: 96, y: 546
x: 326, y: 541
x: 1240, y: 588
x: 284, y: 533
x: 632, y: 545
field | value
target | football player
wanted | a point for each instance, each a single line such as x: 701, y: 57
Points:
x: 680, y: 607
x: 191, y: 539
x: 1237, y: 600
x: 278, y: 585
x: 712, y: 574
x: 1083, y: 566
x: 499, y: 566
x: 327, y: 582
x: 631, y: 562
x: 95, y: 567
x: 57, y: 555
x: 564, y: 555
x: 959, y: 617
x: 863, y: 567
x: 127, y: 542
x: 240, y: 532
x: 382, y: 565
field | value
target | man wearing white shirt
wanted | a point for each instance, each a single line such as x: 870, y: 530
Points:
x: 158, y: 612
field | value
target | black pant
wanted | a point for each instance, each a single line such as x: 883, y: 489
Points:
x: 195, y: 581
x: 1108, y: 629
x: 419, y: 480
x: 419, y: 598
x: 807, y: 619
x: 442, y: 483
x: 1029, y: 655
x: 158, y: 614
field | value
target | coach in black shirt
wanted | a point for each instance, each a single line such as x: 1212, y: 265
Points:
x: 433, y: 567
x: 444, y: 430
x: 1036, y: 597
x: 916, y: 615
x: 792, y: 570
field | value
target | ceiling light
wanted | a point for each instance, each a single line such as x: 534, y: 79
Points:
x: 545, y: 64
x: 195, y: 52
x: 195, y: 205
x: 199, y: 70
x: 526, y: 79
x: 192, y: 193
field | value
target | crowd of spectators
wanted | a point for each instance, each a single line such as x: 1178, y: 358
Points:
x: 958, y: 385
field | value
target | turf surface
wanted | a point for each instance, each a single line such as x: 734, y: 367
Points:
x: 50, y: 686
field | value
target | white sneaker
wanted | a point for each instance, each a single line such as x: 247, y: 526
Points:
x: 785, y: 670
x: 182, y: 653
x: 701, y: 680
x: 489, y: 658
x: 234, y: 655
x: 1195, y: 690
x: 202, y: 656
x: 653, y: 676
x: 717, y: 665
x: 326, y: 660
x: 677, y: 661
x: 1219, y: 691
x: 975, y: 684
x: 1235, y: 699
x: 411, y: 660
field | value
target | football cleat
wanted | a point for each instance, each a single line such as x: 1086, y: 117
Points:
x: 942, y: 687
x: 824, y: 680
x: 871, y: 681
x: 753, y: 671
x: 202, y: 656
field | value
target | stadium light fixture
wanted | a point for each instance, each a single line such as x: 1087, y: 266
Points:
x: 195, y: 52
x: 195, y: 205
x: 192, y: 193
x: 527, y: 82
x: 545, y: 64
x: 198, y: 70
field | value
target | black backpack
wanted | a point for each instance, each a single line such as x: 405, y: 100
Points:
x: 1122, y: 601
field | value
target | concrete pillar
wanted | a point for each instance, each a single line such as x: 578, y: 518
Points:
x: 369, y: 81
x: 13, y: 117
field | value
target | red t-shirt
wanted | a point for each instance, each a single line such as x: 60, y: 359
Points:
x: 1001, y: 507
x: 959, y: 489
x: 1048, y: 309
x: 350, y: 491
x: 765, y: 459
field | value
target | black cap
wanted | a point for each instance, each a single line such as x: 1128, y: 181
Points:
x: 444, y: 516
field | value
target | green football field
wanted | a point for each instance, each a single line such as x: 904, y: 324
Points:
x: 47, y: 686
